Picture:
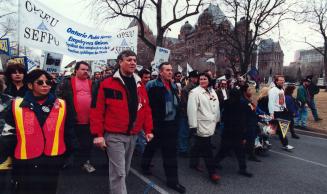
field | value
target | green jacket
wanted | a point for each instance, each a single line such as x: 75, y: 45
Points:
x: 302, y: 95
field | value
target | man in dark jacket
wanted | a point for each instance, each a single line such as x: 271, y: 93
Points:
x: 234, y: 133
x: 222, y: 93
x: 313, y: 90
x: 183, y: 133
x: 164, y: 104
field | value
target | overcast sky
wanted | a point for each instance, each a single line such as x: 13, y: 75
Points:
x: 79, y: 11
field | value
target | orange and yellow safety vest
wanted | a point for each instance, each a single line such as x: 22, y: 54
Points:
x: 32, y: 140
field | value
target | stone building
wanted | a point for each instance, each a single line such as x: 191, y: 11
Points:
x: 196, y: 44
x: 270, y: 59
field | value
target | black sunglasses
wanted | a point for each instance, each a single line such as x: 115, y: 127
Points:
x: 41, y: 82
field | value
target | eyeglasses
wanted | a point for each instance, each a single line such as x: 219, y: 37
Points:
x: 41, y: 82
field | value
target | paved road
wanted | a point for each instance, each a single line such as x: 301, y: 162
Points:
x: 302, y: 171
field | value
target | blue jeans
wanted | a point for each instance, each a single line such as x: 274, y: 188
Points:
x: 312, y: 105
x: 183, y: 135
x: 301, y: 120
x: 140, y: 142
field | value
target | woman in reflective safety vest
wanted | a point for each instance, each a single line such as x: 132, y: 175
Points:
x: 43, y: 135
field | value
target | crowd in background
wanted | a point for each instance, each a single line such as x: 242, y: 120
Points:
x: 51, y: 121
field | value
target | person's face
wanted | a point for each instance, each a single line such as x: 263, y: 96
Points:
x: 280, y: 81
x: 166, y: 72
x: 210, y: 74
x: 41, y: 86
x: 194, y: 80
x: 108, y: 72
x: 128, y: 65
x: 17, y: 76
x: 306, y: 83
x: 178, y: 77
x: 223, y: 84
x: 82, y: 72
x: 97, y: 75
x: 204, y: 82
x: 145, y: 78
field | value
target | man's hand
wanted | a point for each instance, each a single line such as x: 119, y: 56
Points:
x: 149, y: 137
x: 99, y: 142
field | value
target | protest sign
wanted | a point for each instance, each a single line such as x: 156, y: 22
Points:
x: 52, y: 62
x: 161, y: 55
x: 4, y: 46
x: 284, y: 126
x: 42, y: 28
x: 99, y: 65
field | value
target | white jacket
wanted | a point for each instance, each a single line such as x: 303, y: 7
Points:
x: 203, y: 111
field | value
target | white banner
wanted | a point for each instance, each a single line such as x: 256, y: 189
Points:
x: 161, y: 55
x: 52, y: 62
x: 42, y: 28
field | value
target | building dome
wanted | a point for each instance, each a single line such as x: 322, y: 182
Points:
x: 187, y: 28
x: 205, y: 18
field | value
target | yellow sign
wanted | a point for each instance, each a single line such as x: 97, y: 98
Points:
x: 4, y: 46
x: 284, y: 125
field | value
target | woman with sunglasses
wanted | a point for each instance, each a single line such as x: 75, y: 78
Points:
x: 203, y: 114
x: 41, y: 124
x: 15, y: 74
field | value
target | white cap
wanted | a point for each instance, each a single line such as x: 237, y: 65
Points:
x: 155, y: 73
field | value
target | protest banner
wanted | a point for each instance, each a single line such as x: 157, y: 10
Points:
x: 52, y: 62
x: 5, y: 46
x: 42, y: 28
x: 161, y: 55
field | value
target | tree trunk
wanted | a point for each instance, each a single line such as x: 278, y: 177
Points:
x: 325, y: 64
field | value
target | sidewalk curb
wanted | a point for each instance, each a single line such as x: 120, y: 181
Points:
x: 311, y: 132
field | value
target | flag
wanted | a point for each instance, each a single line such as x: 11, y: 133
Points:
x: 254, y: 73
x: 211, y: 60
x: 70, y: 64
x: 179, y: 68
x: 188, y: 68
x: 139, y: 67
x: 284, y: 125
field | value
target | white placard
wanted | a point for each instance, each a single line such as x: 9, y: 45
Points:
x: 161, y: 55
x: 52, y: 62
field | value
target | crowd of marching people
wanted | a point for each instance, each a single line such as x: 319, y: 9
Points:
x: 50, y: 122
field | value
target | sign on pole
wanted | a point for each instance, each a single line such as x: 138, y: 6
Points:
x: 52, y: 62
x: 42, y: 28
x: 4, y: 46
x: 99, y: 65
x: 161, y: 55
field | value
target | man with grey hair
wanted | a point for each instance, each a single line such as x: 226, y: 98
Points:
x: 120, y: 111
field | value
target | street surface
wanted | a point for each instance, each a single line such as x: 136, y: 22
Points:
x: 304, y: 170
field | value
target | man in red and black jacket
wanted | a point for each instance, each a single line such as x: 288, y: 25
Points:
x: 77, y: 92
x: 121, y: 109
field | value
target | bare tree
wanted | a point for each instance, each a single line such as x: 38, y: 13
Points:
x: 316, y: 16
x: 136, y: 10
x: 252, y: 20
x: 7, y: 22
